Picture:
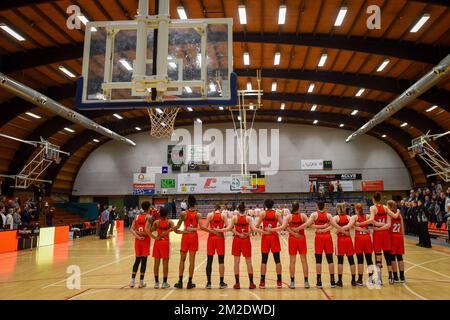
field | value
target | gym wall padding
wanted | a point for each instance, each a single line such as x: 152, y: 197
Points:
x: 8, y: 241
x: 46, y: 236
x: 61, y: 234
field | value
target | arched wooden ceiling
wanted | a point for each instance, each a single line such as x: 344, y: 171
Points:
x: 354, y: 54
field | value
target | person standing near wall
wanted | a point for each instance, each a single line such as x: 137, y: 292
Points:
x: 112, y: 220
x: 17, y: 218
x: 104, y: 222
x: 422, y: 223
x: 2, y: 216
x: 130, y: 216
x: 45, y: 212
x: 9, y: 222
x: 183, y: 205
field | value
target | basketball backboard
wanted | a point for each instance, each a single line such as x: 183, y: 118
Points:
x: 156, y: 61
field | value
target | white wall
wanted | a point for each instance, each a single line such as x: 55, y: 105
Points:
x: 109, y: 169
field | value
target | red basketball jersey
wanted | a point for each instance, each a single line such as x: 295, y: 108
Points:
x: 191, y: 219
x: 217, y: 221
x: 155, y: 214
x: 342, y: 221
x: 296, y: 221
x: 163, y: 226
x: 139, y: 223
x: 322, y: 218
x: 396, y: 226
x: 242, y: 224
x: 270, y: 220
x: 381, y: 215
x: 360, y: 219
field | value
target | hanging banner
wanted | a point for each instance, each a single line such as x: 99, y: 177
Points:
x: 376, y: 185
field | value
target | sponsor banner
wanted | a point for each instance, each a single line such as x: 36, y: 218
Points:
x: 144, y: 183
x: 375, y: 185
x: 347, y: 185
x: 215, y: 185
x: 167, y: 183
x: 333, y: 177
x: 193, y: 183
x: 176, y: 157
x: 349, y: 176
x: 311, y: 165
x: 195, y: 167
x: 188, y: 182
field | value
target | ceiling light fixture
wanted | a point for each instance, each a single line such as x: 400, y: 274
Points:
x: 242, y: 14
x: 323, y: 60
x: 419, y: 24
x: 33, y: 115
x: 282, y: 14
x: 340, y: 17
x: 11, y: 32
x: 277, y: 58
x: 383, y: 65
x: 181, y: 13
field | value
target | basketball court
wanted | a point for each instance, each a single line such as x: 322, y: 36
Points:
x: 105, y: 269
x: 107, y: 105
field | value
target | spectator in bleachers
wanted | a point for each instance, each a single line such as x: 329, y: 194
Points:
x: 441, y: 204
x: 447, y: 206
x: 339, y: 191
x: 9, y: 222
x: 331, y: 191
x: 312, y: 190
x: 49, y: 215
x: 322, y: 193
x: 26, y: 214
x: 183, y: 205
x: 438, y: 187
x: 2, y: 216
x: 174, y: 209
x: 422, y: 225
x: 17, y: 218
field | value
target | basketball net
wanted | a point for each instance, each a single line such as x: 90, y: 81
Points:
x: 162, y: 121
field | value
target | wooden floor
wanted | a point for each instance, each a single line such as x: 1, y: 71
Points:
x: 106, y: 264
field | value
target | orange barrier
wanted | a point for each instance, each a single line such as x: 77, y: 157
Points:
x: 119, y: 226
x: 8, y: 241
x: 61, y: 234
x: 432, y: 228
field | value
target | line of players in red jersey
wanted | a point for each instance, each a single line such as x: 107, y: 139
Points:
x: 387, y: 239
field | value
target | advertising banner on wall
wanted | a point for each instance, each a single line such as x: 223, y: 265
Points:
x: 311, y: 165
x: 347, y: 185
x: 375, y: 185
x: 188, y: 182
x: 193, y: 183
x: 143, y: 183
x: 333, y: 177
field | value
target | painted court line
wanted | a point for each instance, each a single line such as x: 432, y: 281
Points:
x: 91, y: 270
x: 414, y: 265
x: 196, y: 268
